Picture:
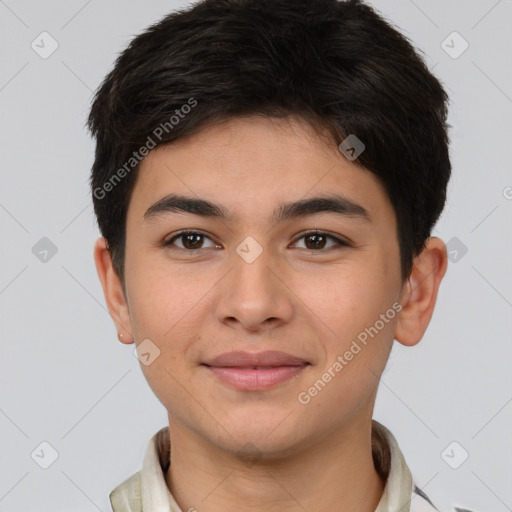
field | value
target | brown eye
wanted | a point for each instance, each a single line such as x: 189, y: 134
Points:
x: 316, y: 241
x: 190, y: 240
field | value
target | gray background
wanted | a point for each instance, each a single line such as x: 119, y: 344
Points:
x: 66, y: 380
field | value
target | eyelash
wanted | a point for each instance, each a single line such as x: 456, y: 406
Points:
x: 339, y: 241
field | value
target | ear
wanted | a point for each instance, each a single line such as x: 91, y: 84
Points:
x: 113, y: 291
x: 419, y: 293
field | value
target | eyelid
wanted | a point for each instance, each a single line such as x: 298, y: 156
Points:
x: 168, y: 241
x: 339, y: 240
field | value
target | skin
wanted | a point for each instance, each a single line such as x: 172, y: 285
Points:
x: 310, y: 302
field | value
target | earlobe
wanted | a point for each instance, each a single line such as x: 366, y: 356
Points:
x: 420, y: 292
x: 113, y: 291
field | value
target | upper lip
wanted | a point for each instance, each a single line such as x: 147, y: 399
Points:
x: 242, y: 359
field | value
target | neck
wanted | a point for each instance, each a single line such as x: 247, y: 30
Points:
x: 334, y: 473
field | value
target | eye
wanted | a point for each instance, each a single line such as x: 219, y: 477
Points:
x: 317, y: 240
x: 194, y: 241
x: 190, y: 241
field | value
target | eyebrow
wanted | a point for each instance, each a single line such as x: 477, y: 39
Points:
x: 337, y: 204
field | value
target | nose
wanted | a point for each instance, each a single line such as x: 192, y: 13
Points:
x: 254, y: 296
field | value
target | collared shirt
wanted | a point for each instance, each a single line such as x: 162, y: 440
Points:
x: 147, y: 491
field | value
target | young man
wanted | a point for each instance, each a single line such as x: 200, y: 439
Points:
x: 267, y: 176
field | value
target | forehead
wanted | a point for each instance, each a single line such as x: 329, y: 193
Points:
x: 251, y: 165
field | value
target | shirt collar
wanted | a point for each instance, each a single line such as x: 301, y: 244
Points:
x: 147, y: 491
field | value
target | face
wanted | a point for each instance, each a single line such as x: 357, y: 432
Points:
x: 290, y: 247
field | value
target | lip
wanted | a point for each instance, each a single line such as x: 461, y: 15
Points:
x: 249, y: 371
x: 242, y: 359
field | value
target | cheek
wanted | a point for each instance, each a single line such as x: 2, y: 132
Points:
x: 170, y: 321
x: 161, y: 300
x: 352, y: 305
x: 357, y: 352
x: 166, y: 307
x: 350, y: 301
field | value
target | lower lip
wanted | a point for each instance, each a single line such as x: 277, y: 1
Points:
x: 249, y: 379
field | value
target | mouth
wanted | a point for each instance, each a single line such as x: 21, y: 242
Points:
x: 255, y: 371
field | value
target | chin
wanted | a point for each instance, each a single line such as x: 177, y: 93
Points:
x: 267, y: 434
